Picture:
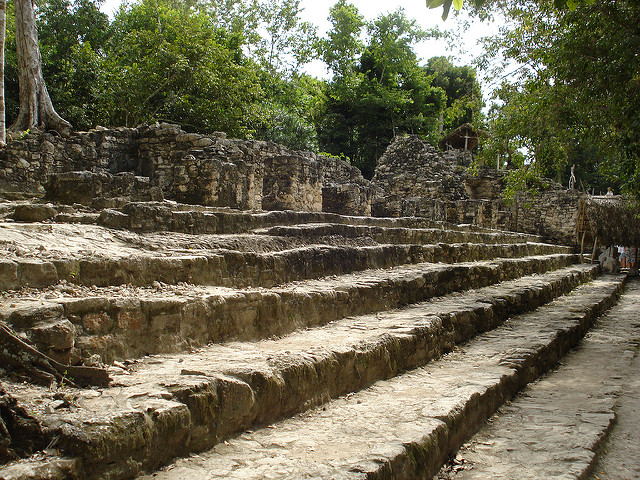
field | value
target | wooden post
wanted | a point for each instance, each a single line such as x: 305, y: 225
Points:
x: 595, y: 246
x: 584, y: 234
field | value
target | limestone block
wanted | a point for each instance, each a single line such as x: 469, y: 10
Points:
x: 131, y: 320
x: 34, y: 213
x: 8, y: 275
x: 58, y: 335
x: 47, y: 147
x: 24, y: 316
x: 113, y: 219
x: 36, y: 273
x: 105, y: 345
x: 74, y: 150
x: 97, y: 323
x: 22, y: 164
x: 289, y: 182
x: 166, y: 322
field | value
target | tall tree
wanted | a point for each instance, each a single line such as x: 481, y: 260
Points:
x: 289, y: 112
x: 464, y: 98
x: 343, y: 46
x: 385, y: 93
x: 287, y: 43
x: 169, y: 62
x: 72, y: 35
x: 36, y: 108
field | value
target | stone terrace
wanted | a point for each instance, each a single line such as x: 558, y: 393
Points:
x: 262, y: 315
x: 266, y: 344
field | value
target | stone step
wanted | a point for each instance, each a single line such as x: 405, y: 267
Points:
x: 127, y: 322
x: 199, y: 220
x: 131, y: 264
x: 393, y: 234
x: 553, y: 428
x: 172, y: 216
x: 407, y: 426
x: 154, y: 216
x: 171, y: 405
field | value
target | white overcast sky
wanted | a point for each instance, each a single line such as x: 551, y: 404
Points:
x: 317, y: 11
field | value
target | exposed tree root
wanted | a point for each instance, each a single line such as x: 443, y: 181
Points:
x: 43, y: 369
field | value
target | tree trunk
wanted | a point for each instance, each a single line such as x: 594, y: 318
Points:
x: 3, y: 25
x: 36, y: 109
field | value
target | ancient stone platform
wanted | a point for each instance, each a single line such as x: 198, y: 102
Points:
x: 253, y: 344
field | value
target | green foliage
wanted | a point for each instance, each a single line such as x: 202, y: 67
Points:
x: 10, y: 67
x: 235, y: 66
x: 341, y: 157
x: 383, y: 94
x: 72, y: 35
x: 172, y: 63
x: 524, y: 120
x: 343, y: 45
x: 287, y: 43
x: 290, y: 111
x: 458, y: 4
x: 464, y: 98
x: 576, y: 98
x: 522, y: 180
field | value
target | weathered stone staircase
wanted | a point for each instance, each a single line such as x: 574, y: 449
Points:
x: 278, y: 344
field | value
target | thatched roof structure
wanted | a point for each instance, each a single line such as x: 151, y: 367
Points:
x: 615, y: 220
x: 465, y: 137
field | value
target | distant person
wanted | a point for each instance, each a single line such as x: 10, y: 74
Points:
x: 609, y: 260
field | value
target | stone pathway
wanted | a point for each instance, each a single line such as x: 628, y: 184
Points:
x: 555, y: 427
x: 619, y: 456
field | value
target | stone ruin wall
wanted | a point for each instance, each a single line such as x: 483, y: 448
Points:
x: 209, y: 170
x: 419, y: 180
x: 161, y: 160
x: 27, y: 164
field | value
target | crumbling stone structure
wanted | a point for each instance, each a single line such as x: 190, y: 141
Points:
x: 27, y: 164
x: 216, y: 331
x: 108, y: 168
x: 419, y: 180
x: 191, y: 168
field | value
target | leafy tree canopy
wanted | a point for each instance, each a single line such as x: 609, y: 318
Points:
x: 460, y: 84
x: 575, y: 99
x: 380, y: 90
x: 458, y: 4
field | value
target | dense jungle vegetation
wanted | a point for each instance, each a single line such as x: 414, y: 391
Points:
x: 566, y: 80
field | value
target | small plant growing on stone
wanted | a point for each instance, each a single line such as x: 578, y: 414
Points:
x: 22, y: 135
